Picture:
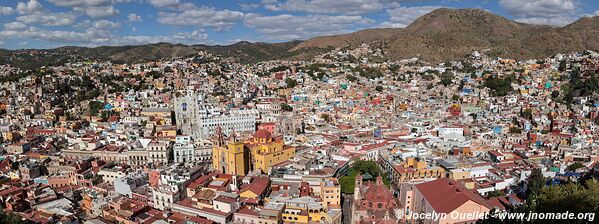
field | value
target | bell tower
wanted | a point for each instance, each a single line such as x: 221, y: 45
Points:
x: 357, y: 188
x: 219, y: 139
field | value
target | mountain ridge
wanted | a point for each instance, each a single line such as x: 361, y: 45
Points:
x: 441, y: 35
x: 449, y: 34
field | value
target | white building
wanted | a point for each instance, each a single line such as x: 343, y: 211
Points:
x: 159, y: 152
x: 183, y: 152
x: 173, y: 181
x: 451, y: 132
x: 196, y: 117
x: 187, y: 150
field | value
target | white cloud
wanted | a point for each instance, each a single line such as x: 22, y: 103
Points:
x: 596, y: 13
x: 195, y: 37
x: 126, y: 1
x: 6, y: 11
x: 91, y: 8
x: 551, y: 12
x: 348, y: 7
x: 79, y: 3
x: 192, y: 37
x: 290, y: 27
x: 134, y: 17
x: 48, y: 18
x: 219, y: 20
x: 15, y: 26
x: 97, y: 35
x: 29, y: 7
x: 403, y: 16
x: 42, y: 34
x: 105, y: 24
x: 249, y: 6
x: 164, y: 3
x: 98, y: 11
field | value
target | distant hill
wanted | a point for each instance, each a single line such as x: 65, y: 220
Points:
x: 443, y: 34
x: 351, y: 39
x: 244, y: 52
x: 446, y: 34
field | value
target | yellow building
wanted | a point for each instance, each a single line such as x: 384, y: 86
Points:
x: 10, y: 136
x: 330, y: 192
x: 229, y: 158
x: 260, y: 152
x: 267, y: 151
x: 416, y: 169
x: 303, y: 210
x: 459, y: 174
x: 166, y: 132
x: 283, y: 92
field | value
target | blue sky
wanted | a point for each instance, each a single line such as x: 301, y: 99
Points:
x: 54, y: 23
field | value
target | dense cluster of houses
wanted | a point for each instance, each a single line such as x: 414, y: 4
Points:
x: 199, y: 140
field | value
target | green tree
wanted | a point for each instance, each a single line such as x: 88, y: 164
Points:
x: 348, y: 182
x: 95, y: 107
x: 351, y: 78
x: 446, y: 78
x: 326, y: 117
x: 515, y: 130
x: 498, y: 86
x: 554, y: 94
x: 290, y: 82
x: 536, y: 182
x: 10, y: 218
x: 370, y: 73
x: 562, y: 65
x: 571, y: 197
x: 496, y: 193
x: 574, y: 166
x: 379, y: 88
x: 286, y: 107
x: 455, y: 97
x: 279, y: 68
x: 527, y: 114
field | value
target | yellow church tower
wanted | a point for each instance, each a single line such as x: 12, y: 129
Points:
x: 229, y: 157
x: 268, y: 151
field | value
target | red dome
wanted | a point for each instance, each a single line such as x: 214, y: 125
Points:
x: 262, y: 134
x: 378, y: 193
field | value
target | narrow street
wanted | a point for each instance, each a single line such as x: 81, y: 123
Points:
x: 346, y: 209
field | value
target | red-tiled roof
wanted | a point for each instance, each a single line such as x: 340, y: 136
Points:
x: 378, y: 193
x: 181, y: 218
x: 262, y: 134
x: 245, y: 210
x: 446, y: 195
x: 258, y: 186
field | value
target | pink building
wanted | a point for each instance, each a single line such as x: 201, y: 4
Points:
x: 268, y: 126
